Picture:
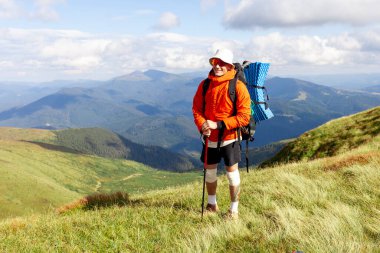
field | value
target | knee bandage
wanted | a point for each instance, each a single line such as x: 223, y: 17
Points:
x: 234, y: 177
x: 211, y: 176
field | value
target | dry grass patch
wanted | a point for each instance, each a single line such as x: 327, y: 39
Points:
x: 337, y: 163
x: 97, y: 200
x: 17, y: 224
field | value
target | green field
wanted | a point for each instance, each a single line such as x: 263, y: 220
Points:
x: 328, y: 204
x: 35, y: 177
x: 313, y: 207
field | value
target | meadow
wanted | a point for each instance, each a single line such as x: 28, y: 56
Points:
x: 37, y: 177
x: 321, y: 203
x: 324, y: 205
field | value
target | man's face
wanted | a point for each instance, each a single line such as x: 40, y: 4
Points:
x: 220, y: 67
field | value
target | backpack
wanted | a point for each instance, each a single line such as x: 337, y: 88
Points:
x: 246, y: 132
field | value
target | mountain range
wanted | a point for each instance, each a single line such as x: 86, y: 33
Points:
x: 344, y: 81
x: 18, y: 94
x: 374, y: 88
x: 154, y: 108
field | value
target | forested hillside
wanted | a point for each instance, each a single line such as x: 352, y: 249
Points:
x: 104, y: 143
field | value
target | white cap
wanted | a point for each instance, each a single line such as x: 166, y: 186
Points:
x: 224, y: 55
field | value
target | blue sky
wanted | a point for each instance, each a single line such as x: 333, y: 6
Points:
x: 42, y: 40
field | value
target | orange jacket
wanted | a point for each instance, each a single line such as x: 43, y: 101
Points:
x: 219, y: 106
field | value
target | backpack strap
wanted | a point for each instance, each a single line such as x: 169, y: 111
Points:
x: 261, y: 87
x: 263, y: 103
x: 206, y: 84
x: 232, y: 94
x: 266, y: 92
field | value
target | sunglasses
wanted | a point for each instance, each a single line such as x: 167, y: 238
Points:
x: 216, y: 61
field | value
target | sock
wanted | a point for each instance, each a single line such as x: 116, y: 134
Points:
x: 212, y: 199
x: 234, y: 207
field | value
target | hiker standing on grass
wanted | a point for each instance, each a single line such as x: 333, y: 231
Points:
x: 218, y: 119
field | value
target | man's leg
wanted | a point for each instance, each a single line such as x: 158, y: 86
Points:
x: 211, y: 185
x: 234, y: 184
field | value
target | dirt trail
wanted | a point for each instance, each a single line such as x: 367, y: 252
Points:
x: 132, y: 176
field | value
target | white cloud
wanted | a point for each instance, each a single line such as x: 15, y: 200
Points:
x: 291, y: 13
x: 168, y: 37
x: 167, y: 21
x: 345, y: 42
x: 51, y: 50
x: 78, y: 64
x: 6, y: 64
x: 41, y: 10
x: 67, y: 54
x: 45, y: 10
x: 370, y: 40
x: 283, y: 50
x: 290, y: 55
x: 75, y: 47
x: 165, y: 51
x: 79, y: 54
x: 9, y: 9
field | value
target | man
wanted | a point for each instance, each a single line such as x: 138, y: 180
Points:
x: 214, y: 113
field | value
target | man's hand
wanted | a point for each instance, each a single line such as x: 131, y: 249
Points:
x: 212, y: 124
x: 208, y: 126
x: 206, y: 129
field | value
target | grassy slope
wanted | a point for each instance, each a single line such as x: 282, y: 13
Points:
x: 334, y: 137
x: 326, y: 205
x: 35, y: 179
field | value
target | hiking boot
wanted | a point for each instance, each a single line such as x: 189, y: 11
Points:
x: 212, y: 208
x: 231, y: 215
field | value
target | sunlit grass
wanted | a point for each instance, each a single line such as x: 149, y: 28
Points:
x: 34, y: 179
x: 300, y: 206
x: 312, y: 204
x: 335, y: 137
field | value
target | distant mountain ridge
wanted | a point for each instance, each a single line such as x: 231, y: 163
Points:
x: 299, y: 106
x: 154, y: 108
x: 374, y: 88
x: 18, y: 94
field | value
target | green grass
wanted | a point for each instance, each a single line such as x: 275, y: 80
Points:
x: 334, y: 137
x: 321, y: 206
x: 329, y: 204
x: 34, y: 179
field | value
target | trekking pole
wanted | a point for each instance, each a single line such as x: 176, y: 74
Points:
x: 246, y: 154
x: 204, y: 173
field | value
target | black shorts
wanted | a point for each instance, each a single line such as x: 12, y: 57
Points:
x: 230, y: 154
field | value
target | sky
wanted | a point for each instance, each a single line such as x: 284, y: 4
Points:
x: 43, y: 40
